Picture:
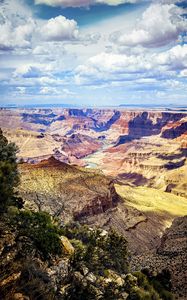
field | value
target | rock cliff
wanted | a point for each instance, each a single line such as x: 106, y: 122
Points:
x: 66, y: 191
x: 171, y: 255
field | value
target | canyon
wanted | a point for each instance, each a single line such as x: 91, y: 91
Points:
x: 147, y: 148
x: 108, y: 168
x: 89, y: 197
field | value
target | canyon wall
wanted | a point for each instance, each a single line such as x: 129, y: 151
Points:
x: 141, y: 147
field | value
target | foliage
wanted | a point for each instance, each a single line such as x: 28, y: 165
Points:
x: 105, y: 257
x: 143, y: 289
x: 159, y: 283
x: 9, y: 175
x: 97, y: 250
x: 39, y: 227
x: 35, y: 282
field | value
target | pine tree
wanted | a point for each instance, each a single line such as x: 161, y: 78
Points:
x: 9, y: 175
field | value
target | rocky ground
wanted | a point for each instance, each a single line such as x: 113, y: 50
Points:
x: 171, y: 254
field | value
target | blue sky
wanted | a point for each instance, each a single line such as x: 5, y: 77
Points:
x: 93, y: 52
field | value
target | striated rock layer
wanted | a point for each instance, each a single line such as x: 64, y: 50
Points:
x: 138, y: 147
x: 66, y: 191
x: 87, y: 196
x: 171, y: 255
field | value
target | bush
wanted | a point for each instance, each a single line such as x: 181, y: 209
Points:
x: 34, y: 282
x: 39, y: 227
x: 101, y: 252
x: 9, y: 175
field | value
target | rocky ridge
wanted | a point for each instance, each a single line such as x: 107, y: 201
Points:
x: 88, y: 196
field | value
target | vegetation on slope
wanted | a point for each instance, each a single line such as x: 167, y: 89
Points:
x: 9, y: 177
x: 40, y: 260
x: 147, y: 199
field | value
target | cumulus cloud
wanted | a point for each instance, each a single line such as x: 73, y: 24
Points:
x: 47, y: 90
x: 175, y: 58
x: 16, y: 25
x: 160, y: 25
x: 59, y: 29
x: 80, y: 3
x: 21, y: 90
x: 12, y: 37
x: 110, y: 66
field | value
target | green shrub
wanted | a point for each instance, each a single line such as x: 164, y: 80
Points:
x: 101, y: 252
x: 9, y: 175
x: 34, y: 282
x: 39, y: 227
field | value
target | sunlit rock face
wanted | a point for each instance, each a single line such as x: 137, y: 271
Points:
x: 66, y: 191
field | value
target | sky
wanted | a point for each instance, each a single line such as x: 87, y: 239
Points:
x: 93, y: 52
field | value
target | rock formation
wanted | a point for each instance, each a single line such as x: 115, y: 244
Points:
x: 87, y: 196
x: 66, y: 191
x: 171, y: 255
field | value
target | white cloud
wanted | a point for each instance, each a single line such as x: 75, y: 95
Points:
x: 183, y: 73
x: 16, y: 25
x: 59, y: 29
x: 32, y: 71
x: 111, y: 66
x: 79, y: 3
x: 21, y: 90
x: 16, y: 36
x: 41, y: 50
x: 175, y: 58
x: 49, y: 90
x: 160, y: 25
x: 46, y: 90
x: 46, y: 80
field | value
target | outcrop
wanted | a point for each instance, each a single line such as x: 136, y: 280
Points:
x: 78, y: 145
x: 66, y: 191
x: 174, y: 239
x: 24, y: 272
x: 171, y: 255
x: 175, y: 130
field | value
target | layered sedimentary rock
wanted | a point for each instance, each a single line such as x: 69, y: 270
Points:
x: 174, y: 239
x: 171, y: 255
x: 66, y: 191
x: 77, y: 145
x: 137, y: 147
x: 79, y: 194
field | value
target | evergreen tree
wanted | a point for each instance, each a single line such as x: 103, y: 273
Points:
x: 9, y: 175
